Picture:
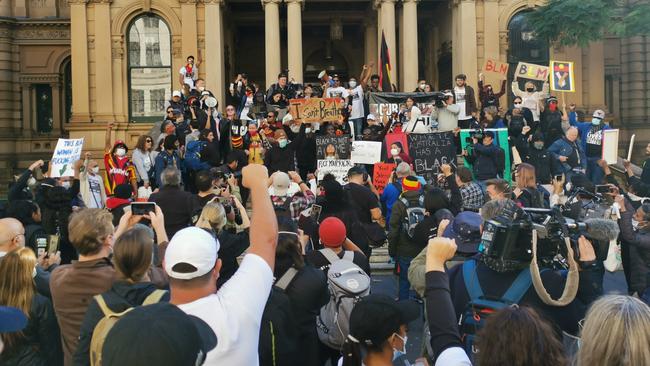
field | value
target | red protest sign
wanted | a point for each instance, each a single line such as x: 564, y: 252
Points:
x: 496, y: 67
x: 381, y: 175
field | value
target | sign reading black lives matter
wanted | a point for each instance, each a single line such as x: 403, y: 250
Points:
x: 429, y: 151
x: 341, y: 146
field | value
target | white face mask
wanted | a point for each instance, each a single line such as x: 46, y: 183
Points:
x: 352, y: 83
x: 394, y: 152
x: 31, y: 181
x: 518, y: 105
x: 120, y: 152
x: 65, y: 184
x: 422, y: 86
x: 295, y: 128
x: 201, y: 88
x: 95, y: 170
x: 635, y: 224
x: 307, y: 130
x: 400, y: 352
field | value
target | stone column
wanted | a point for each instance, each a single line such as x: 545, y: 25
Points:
x: 272, y: 40
x: 79, y: 59
x: 635, y: 82
x: 410, y: 57
x: 371, y: 43
x: 5, y: 8
x: 294, y: 38
x: 491, y: 29
x: 387, y: 14
x: 595, y: 75
x: 464, y: 40
x: 214, y: 61
x: 20, y: 7
x: 188, y: 29
x: 103, y: 61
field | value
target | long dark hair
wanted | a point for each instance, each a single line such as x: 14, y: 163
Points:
x: 289, y: 250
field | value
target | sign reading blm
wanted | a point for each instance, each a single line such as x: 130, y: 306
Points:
x: 429, y: 151
x: 332, y: 147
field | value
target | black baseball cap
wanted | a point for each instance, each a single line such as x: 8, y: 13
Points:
x: 466, y: 230
x: 356, y: 170
x: 376, y: 317
x: 160, y: 334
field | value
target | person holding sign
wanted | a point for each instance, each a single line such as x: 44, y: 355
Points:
x: 591, y: 136
x: 119, y: 168
x: 487, y: 96
x: 531, y: 98
x: 397, y: 154
x: 414, y: 123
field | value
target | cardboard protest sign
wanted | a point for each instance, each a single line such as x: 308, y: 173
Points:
x: 610, y: 145
x: 562, y: 77
x: 338, y: 168
x: 339, y: 145
x: 315, y: 109
x: 429, y: 151
x: 366, y: 152
x: 494, y: 66
x: 67, y: 151
x: 383, y: 104
x: 399, y: 138
x: 531, y: 71
x: 381, y: 174
x: 501, y: 140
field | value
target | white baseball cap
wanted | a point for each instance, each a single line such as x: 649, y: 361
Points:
x: 599, y: 113
x: 281, y: 183
x: 193, y: 246
x: 371, y: 117
x: 176, y: 93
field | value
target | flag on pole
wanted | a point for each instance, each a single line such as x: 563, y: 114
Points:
x: 384, y: 71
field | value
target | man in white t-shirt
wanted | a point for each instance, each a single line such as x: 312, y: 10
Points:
x: 466, y: 100
x: 234, y: 312
x: 356, y: 111
x: 189, y: 73
x: 336, y: 91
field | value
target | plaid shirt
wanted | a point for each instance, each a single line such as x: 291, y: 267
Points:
x: 299, y: 202
x: 472, y: 196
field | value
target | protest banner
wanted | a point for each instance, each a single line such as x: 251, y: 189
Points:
x: 610, y: 146
x: 429, y: 151
x: 497, y: 67
x: 501, y: 140
x: 67, y: 151
x: 315, y: 109
x: 562, y: 77
x: 399, y: 138
x: 531, y: 71
x: 381, y: 175
x: 341, y: 145
x: 383, y: 104
x: 338, y: 168
x: 366, y: 152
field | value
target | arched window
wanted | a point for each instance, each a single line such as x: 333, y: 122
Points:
x: 149, y: 68
x: 523, y: 46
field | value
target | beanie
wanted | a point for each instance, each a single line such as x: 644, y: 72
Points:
x: 411, y: 183
x: 332, y: 232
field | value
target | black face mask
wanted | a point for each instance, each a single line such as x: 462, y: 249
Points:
x: 530, y: 90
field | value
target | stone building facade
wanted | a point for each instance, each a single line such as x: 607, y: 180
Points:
x: 70, y: 66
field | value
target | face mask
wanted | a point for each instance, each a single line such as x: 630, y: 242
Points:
x: 552, y: 107
x: 282, y: 143
x: 518, y: 105
x: 352, y: 83
x: 65, y: 184
x: 539, y: 145
x: 635, y: 224
x: 252, y: 133
x: 595, y: 121
x: 422, y: 86
x: 307, y: 130
x: 120, y: 152
x: 95, y: 170
x: 394, y: 152
x: 31, y: 182
x: 400, y: 352
x: 201, y: 88
x: 530, y: 90
x: 295, y: 128
x: 330, y: 157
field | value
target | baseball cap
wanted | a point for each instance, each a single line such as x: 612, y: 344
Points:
x: 159, y: 334
x: 194, y: 247
x: 332, y: 232
x: 11, y: 319
x: 281, y: 183
x: 356, y: 170
x: 371, y: 117
x: 120, y: 143
x: 466, y: 230
x: 376, y: 317
x: 176, y: 93
x: 177, y: 112
x: 599, y: 113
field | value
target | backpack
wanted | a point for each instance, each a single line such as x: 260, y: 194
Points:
x: 347, y: 284
x: 193, y: 156
x: 414, y: 215
x: 481, y: 307
x: 284, y: 209
x: 279, y: 337
x: 536, y: 198
x: 105, y: 324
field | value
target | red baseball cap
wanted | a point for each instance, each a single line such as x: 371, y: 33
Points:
x: 332, y: 232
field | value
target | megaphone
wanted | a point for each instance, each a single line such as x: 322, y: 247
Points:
x: 211, y: 102
x: 323, y: 76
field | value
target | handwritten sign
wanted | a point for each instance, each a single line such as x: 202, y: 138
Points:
x: 337, y: 147
x: 67, y: 151
x: 429, y: 151
x: 495, y: 66
x: 562, y: 79
x: 338, y: 168
x: 381, y: 174
x: 396, y: 138
x: 366, y: 152
x: 315, y: 109
x: 531, y: 71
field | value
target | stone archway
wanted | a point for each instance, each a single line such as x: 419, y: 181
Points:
x: 325, y: 58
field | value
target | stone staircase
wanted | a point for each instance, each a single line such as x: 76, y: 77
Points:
x: 380, y: 261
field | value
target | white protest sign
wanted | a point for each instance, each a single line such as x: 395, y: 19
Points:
x: 610, y: 146
x: 366, y: 152
x: 629, y: 150
x: 338, y: 168
x: 67, y: 151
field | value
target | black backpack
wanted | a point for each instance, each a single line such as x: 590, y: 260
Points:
x: 279, y: 337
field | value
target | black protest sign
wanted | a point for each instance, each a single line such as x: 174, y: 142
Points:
x: 429, y: 151
x: 339, y: 149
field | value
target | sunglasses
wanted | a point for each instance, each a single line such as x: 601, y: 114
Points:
x: 336, y: 80
x: 147, y: 140
x: 170, y: 111
x: 269, y: 116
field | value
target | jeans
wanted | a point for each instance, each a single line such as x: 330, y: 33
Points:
x: 404, y: 285
x: 358, y: 127
x: 594, y: 172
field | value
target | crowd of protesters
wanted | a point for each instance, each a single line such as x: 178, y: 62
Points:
x: 211, y: 241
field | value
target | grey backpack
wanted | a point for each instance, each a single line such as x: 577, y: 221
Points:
x: 347, y: 284
x: 415, y: 213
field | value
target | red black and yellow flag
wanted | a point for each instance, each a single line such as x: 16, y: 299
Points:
x: 384, y: 70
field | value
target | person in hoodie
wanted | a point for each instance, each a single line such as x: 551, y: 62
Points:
x: 132, y: 256
x: 591, y: 139
x: 543, y: 161
x: 306, y: 159
x: 487, y: 96
x: 551, y: 122
x: 119, y: 168
x: 281, y: 156
x: 168, y: 157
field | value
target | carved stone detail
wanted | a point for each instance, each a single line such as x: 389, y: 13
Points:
x: 48, y: 34
x: 91, y: 42
x: 117, y: 48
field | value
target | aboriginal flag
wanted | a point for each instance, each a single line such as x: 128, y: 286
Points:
x: 384, y: 71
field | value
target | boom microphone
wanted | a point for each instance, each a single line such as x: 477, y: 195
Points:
x: 600, y: 229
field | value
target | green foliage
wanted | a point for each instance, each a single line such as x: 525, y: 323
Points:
x: 579, y: 22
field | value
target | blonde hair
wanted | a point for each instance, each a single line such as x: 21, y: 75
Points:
x: 526, y: 176
x: 616, y: 333
x: 17, y: 287
x: 89, y: 228
x: 213, y: 217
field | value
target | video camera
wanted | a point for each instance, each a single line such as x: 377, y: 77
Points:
x: 439, y: 99
x: 476, y: 134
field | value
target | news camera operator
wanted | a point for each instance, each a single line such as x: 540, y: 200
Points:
x: 635, y: 232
